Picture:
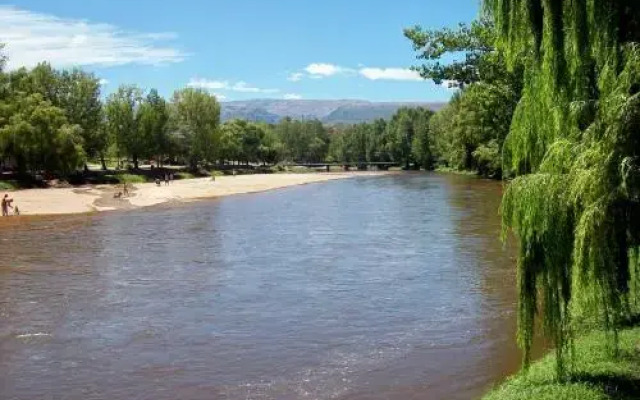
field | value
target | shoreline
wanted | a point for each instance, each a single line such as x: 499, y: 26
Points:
x: 100, y: 198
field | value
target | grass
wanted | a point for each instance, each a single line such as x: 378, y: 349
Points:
x: 598, y: 373
x: 9, y: 185
x: 122, y: 178
x: 184, y: 175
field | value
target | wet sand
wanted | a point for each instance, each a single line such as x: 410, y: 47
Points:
x: 101, y: 198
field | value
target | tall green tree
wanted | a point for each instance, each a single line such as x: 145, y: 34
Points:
x: 75, y: 92
x: 421, y: 143
x: 153, y: 118
x: 377, y: 144
x: 35, y: 128
x: 575, y: 144
x: 79, y: 97
x: 38, y: 136
x: 242, y: 140
x: 303, y: 141
x: 401, y: 131
x: 197, y: 115
x: 271, y: 148
x: 122, y: 111
x: 230, y: 142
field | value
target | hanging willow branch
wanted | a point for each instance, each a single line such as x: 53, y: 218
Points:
x: 575, y: 144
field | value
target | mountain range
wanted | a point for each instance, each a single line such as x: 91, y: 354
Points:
x: 327, y: 111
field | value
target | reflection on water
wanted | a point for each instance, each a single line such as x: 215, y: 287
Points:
x: 390, y: 287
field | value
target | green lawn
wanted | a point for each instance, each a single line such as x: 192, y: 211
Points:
x: 9, y: 185
x: 599, y: 375
x: 122, y: 178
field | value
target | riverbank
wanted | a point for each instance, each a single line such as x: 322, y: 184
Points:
x: 96, y: 198
x: 599, y: 375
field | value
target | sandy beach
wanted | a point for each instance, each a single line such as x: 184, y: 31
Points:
x: 101, y: 197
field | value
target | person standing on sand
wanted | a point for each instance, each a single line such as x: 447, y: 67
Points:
x: 125, y: 191
x: 166, y: 179
x: 171, y: 177
x: 6, y: 205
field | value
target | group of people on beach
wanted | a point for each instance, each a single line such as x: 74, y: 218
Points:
x: 168, y: 178
x: 6, y: 205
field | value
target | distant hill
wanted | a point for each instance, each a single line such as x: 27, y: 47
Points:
x: 327, y: 111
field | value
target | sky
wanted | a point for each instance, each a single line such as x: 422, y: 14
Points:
x: 236, y: 49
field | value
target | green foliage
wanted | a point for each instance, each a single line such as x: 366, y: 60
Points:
x: 599, y: 374
x: 153, y: 125
x: 488, y: 158
x: 38, y: 136
x: 245, y: 141
x: 54, y: 120
x: 475, y: 41
x: 130, y: 178
x: 184, y: 175
x: 9, y: 185
x: 44, y: 108
x: 302, y: 141
x: 469, y: 132
x: 197, y: 119
x: 404, y: 139
x: 75, y: 92
x: 79, y: 97
x: 123, y: 112
x: 408, y: 136
x: 574, y: 141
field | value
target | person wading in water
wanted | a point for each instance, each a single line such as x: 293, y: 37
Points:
x: 6, y: 205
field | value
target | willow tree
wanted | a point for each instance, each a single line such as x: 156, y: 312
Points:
x: 575, y: 144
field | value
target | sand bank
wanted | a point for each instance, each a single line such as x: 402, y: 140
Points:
x: 101, y: 197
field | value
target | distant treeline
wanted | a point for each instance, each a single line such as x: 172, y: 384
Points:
x: 57, y: 121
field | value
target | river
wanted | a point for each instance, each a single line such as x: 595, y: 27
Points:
x: 393, y: 287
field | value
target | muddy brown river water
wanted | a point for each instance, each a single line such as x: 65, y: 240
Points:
x: 393, y: 287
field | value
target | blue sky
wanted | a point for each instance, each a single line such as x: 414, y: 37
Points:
x: 237, y: 49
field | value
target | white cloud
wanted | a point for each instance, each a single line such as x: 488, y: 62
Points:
x: 295, y: 77
x: 207, y: 84
x: 103, y: 82
x: 395, y: 74
x: 240, y: 86
x: 324, y: 69
x: 291, y: 96
x: 32, y: 37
